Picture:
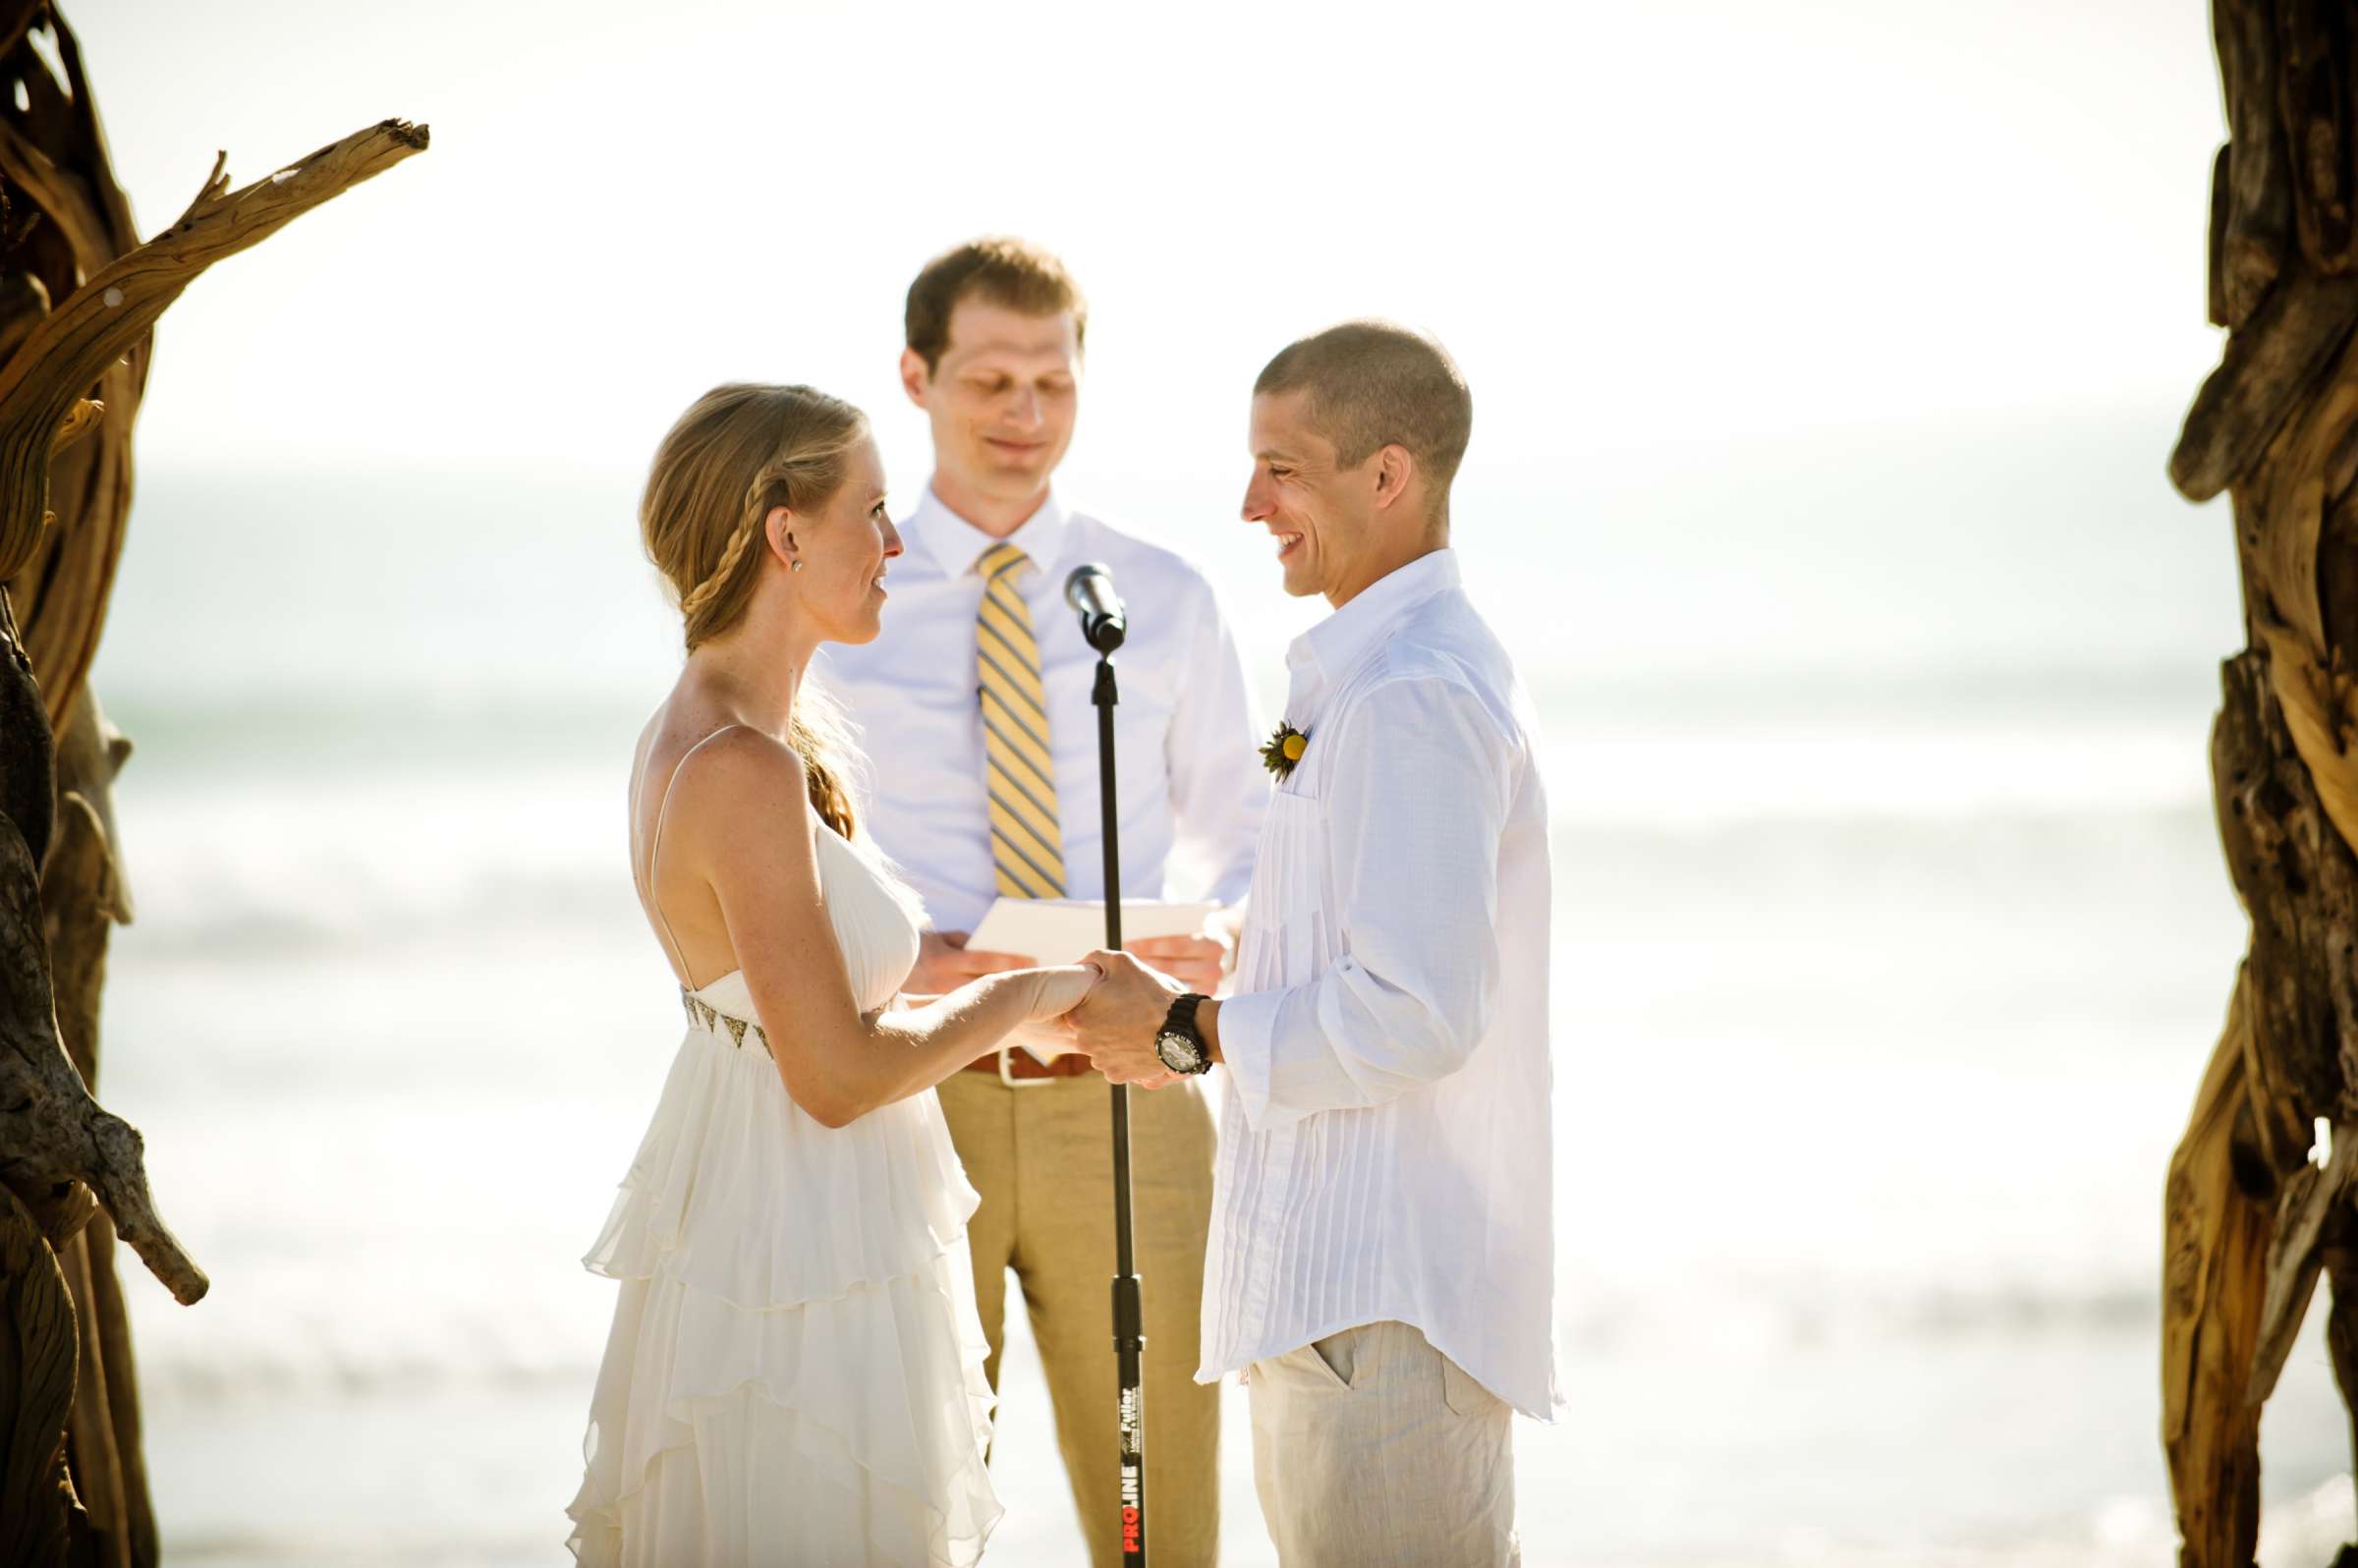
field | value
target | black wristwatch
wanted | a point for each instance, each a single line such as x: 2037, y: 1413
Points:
x: 1179, y: 1043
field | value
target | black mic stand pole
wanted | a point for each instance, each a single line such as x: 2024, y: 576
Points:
x: 1129, y: 1322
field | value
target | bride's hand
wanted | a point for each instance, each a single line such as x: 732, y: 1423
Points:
x: 1057, y: 991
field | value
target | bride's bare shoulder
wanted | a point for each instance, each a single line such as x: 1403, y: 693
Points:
x: 729, y: 765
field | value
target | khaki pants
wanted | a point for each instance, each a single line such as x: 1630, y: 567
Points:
x: 1042, y: 1158
x: 1374, y: 1449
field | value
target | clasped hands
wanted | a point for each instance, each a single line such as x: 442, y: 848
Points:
x: 1116, y: 1020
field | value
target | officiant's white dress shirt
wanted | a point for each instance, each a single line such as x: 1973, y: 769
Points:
x: 1385, y: 1148
x: 1187, y: 777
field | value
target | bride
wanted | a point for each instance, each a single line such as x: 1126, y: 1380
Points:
x: 795, y: 1372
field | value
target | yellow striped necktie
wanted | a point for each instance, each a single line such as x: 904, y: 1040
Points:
x: 1026, y: 847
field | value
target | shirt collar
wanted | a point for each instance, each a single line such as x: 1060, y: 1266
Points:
x: 1334, y: 646
x: 954, y: 545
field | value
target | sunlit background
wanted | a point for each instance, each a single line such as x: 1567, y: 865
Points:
x: 1826, y: 357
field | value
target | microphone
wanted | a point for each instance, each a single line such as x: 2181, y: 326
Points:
x: 1089, y: 590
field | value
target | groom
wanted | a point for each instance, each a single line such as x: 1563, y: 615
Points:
x: 1380, y: 1263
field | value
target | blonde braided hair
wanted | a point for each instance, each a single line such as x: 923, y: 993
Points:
x: 701, y: 597
x: 700, y: 516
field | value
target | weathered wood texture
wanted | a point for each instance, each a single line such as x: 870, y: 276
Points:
x: 71, y: 346
x: 60, y: 188
x: 78, y: 297
x: 2250, y: 1227
x: 84, y: 895
x: 2252, y: 203
x: 64, y: 219
x: 2215, y: 1234
x: 36, y: 1388
x: 51, y: 1131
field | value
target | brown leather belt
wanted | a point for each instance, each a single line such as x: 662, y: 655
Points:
x: 1015, y: 1066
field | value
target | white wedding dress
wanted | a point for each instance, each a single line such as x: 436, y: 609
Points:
x: 795, y: 1373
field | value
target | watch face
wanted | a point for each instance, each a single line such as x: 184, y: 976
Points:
x: 1178, y: 1052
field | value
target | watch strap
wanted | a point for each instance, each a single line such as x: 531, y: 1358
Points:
x: 1181, y: 1021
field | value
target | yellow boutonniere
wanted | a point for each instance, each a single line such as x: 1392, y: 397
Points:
x: 1282, y: 749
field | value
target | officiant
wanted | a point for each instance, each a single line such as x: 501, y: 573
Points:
x: 976, y: 718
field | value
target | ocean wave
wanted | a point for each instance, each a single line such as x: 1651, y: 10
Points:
x: 292, y: 866
x: 554, y: 1343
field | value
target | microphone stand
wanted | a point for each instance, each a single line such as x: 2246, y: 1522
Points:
x: 1104, y: 634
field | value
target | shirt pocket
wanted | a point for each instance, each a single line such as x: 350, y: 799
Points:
x: 1289, y: 924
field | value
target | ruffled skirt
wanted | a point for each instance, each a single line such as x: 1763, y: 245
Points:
x: 795, y: 1373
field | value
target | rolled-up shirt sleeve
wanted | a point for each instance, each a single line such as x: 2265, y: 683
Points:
x: 1414, y: 797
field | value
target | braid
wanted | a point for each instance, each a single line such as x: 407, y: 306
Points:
x: 772, y: 486
x: 703, y: 593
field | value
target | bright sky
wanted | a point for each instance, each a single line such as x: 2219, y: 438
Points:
x: 1657, y: 237
x: 1629, y: 222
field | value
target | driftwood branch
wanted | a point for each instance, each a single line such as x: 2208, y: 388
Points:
x: 2312, y: 104
x: 2250, y: 1228
x: 72, y: 347
x: 2272, y: 363
x: 2214, y: 1237
x: 2299, y: 882
x: 37, y: 1355
x: 80, y: 420
x: 66, y: 218
x: 78, y: 297
x: 2253, y: 222
x: 61, y: 197
x: 2313, y: 1203
x: 52, y: 1133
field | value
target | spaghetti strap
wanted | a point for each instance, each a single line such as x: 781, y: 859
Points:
x: 654, y: 854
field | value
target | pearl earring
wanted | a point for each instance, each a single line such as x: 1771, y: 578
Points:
x: 797, y: 564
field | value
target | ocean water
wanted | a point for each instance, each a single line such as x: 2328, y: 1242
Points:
x: 1891, y: 932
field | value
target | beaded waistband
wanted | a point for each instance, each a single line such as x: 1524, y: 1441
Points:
x: 704, y: 1015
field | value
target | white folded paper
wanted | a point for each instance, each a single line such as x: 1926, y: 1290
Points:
x: 1065, y: 930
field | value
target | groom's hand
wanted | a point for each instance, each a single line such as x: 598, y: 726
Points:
x: 945, y: 962
x: 1116, y: 1022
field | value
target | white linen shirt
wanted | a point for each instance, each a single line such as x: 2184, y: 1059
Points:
x: 1185, y: 766
x: 1385, y: 1146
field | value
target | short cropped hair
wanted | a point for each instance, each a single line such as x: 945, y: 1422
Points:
x: 1015, y: 273
x: 1373, y: 385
